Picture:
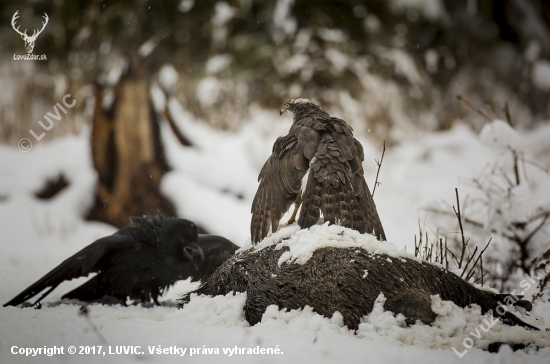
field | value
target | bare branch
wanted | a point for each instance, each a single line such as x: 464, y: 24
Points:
x: 469, y: 104
x: 379, y: 163
x: 470, y: 257
x: 534, y: 164
x: 446, y: 257
x: 459, y: 217
x: 516, y: 169
x: 480, y: 259
x: 535, y: 230
x: 453, y: 256
x: 465, y: 219
x: 490, y: 106
x: 482, y: 276
x: 507, y: 113
x: 481, y: 265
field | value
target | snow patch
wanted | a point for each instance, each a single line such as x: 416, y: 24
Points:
x: 404, y: 64
x: 186, y: 5
x: 148, y: 47
x: 215, y: 311
x: 218, y: 63
x: 431, y: 9
x: 283, y: 20
x: 302, y: 243
x: 338, y: 60
x: 452, y: 325
x: 499, y: 135
x: 208, y: 91
x: 168, y: 77
x: 304, y: 319
x: 541, y: 74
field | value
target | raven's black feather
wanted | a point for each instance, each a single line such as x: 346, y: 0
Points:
x: 140, y: 261
x: 217, y: 250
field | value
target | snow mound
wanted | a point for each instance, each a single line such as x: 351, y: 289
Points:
x: 452, y: 327
x: 303, y: 242
x: 541, y: 75
x: 305, y: 319
x: 215, y: 311
x: 499, y: 135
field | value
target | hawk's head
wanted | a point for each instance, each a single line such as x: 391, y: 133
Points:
x: 289, y: 107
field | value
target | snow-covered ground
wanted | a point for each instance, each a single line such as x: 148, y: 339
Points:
x: 213, y: 183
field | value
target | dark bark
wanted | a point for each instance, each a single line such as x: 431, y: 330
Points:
x: 127, y: 152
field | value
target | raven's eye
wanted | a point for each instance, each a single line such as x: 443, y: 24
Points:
x: 287, y: 106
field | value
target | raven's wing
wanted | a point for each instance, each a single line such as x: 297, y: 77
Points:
x: 88, y: 260
x: 216, y: 250
x: 88, y: 291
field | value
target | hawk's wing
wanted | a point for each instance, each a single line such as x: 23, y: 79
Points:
x: 281, y: 176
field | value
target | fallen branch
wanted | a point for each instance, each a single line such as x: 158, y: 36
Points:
x: 85, y: 312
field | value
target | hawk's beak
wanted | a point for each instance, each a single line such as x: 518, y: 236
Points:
x: 281, y: 111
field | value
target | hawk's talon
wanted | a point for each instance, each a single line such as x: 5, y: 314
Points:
x: 297, y: 205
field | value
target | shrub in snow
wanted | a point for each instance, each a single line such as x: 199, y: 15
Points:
x: 541, y: 265
x: 508, y: 204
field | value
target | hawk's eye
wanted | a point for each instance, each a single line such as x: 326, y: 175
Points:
x: 287, y: 106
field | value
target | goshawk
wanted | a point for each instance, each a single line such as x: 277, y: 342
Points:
x: 318, y: 164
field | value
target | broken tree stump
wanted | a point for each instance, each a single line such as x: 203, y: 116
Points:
x: 127, y: 152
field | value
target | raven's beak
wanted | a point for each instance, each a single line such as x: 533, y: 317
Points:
x: 199, y: 255
x: 194, y: 253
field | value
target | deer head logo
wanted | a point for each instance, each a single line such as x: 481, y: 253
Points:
x: 29, y: 40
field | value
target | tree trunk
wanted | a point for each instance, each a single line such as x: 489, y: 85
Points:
x: 127, y: 152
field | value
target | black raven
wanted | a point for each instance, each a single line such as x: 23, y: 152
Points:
x: 216, y: 250
x: 140, y: 261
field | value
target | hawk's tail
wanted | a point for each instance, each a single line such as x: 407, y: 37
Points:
x: 329, y: 190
